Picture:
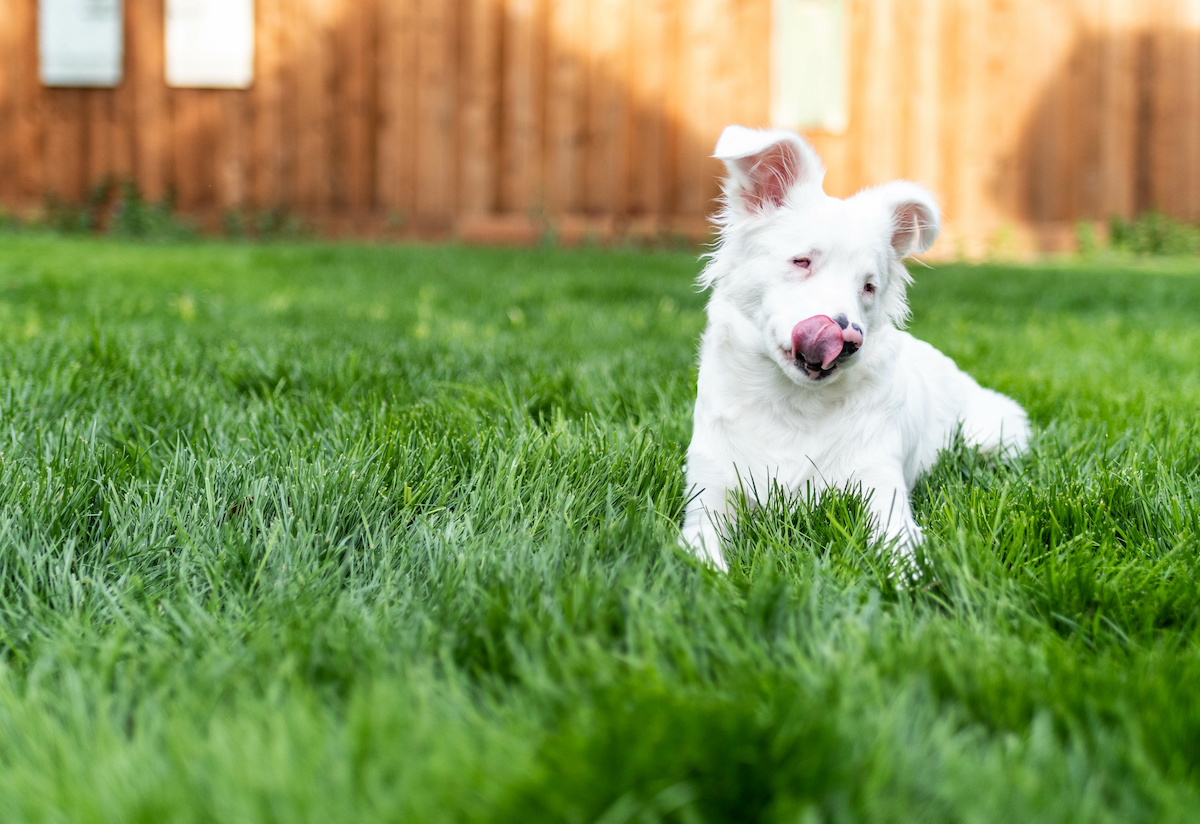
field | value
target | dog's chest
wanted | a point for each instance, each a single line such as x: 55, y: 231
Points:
x: 773, y: 444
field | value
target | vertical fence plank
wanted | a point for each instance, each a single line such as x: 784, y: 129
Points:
x: 1009, y: 85
x: 1003, y: 104
x: 101, y: 136
x: 1160, y: 89
x: 267, y: 104
x: 750, y: 67
x: 700, y: 32
x: 924, y: 140
x: 436, y: 135
x: 312, y: 67
x: 353, y: 103
x: 397, y: 161
x: 33, y: 109
x: 1070, y: 131
x: 196, y: 117
x: 972, y: 179
x: 649, y: 79
x: 1170, y: 102
x: 1040, y: 187
x: 520, y: 143
x: 1117, y: 103
x: 9, y: 108
x: 907, y: 28
x: 151, y: 127
x: 66, y: 143
x: 845, y: 154
x: 231, y: 148
x: 121, y: 110
x: 1189, y: 113
x: 567, y: 34
x: 607, y: 67
x: 877, y: 135
x: 1091, y: 119
x: 480, y: 89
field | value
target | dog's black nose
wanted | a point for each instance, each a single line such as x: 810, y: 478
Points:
x: 841, y: 320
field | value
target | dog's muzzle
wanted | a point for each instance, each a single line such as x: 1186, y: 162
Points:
x: 820, y: 340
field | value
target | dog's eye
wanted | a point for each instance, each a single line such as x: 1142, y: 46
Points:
x: 869, y: 289
x: 802, y: 263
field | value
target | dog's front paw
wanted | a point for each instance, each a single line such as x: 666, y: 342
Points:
x: 900, y: 554
x: 703, y: 541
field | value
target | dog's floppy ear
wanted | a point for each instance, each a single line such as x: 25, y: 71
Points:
x: 913, y: 214
x: 765, y: 166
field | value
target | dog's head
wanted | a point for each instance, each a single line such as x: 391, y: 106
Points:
x: 818, y: 276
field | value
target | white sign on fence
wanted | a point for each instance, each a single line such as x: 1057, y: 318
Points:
x: 809, y: 71
x: 210, y: 43
x: 80, y: 42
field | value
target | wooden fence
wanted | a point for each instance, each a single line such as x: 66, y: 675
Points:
x: 506, y: 119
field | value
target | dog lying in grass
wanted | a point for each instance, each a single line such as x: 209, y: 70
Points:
x: 807, y: 380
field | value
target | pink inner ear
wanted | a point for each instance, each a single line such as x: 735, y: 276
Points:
x: 910, y: 219
x: 770, y: 175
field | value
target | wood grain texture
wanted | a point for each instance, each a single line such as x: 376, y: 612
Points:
x: 268, y: 142
x: 10, y: 58
x: 605, y: 177
x: 480, y: 140
x: 566, y: 90
x: 591, y: 116
x: 520, y: 143
x: 397, y: 84
x: 436, y: 123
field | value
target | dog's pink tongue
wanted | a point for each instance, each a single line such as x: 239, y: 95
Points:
x: 817, y: 340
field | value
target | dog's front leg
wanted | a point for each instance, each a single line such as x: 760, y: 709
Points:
x: 708, y: 507
x: 891, y: 517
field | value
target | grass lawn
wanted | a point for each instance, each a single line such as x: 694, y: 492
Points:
x: 341, y: 533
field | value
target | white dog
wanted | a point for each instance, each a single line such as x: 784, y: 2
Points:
x: 806, y: 379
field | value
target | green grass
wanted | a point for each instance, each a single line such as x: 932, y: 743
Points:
x: 339, y: 533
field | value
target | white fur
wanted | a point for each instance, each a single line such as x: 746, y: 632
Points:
x: 878, y: 421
